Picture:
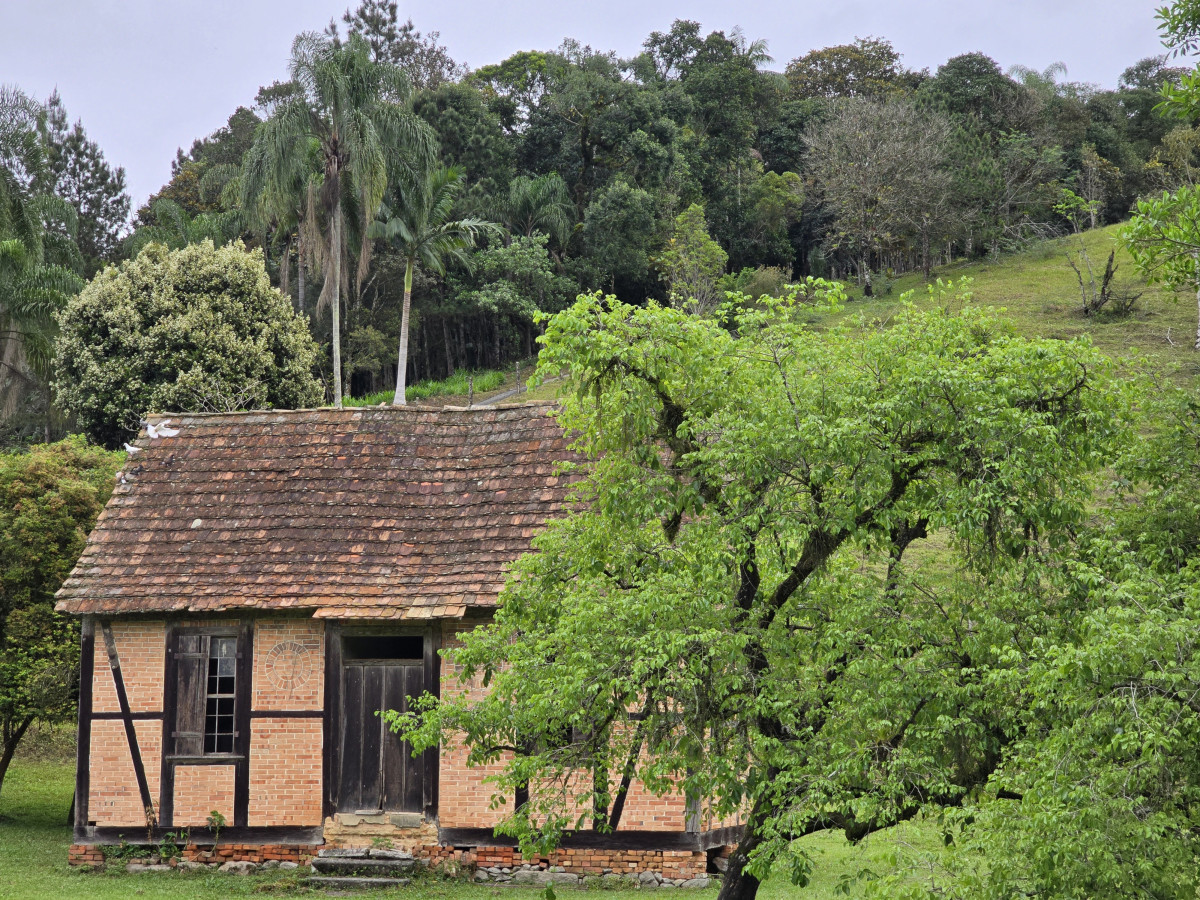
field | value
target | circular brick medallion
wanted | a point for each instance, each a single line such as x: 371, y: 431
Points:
x: 289, y: 665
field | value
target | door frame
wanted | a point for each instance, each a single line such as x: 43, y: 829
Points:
x: 333, y: 718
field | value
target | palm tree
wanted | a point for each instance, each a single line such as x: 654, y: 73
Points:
x: 538, y: 204
x: 421, y: 230
x: 348, y: 110
x: 38, y: 256
x: 173, y: 227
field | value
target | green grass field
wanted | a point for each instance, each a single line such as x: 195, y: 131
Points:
x: 1042, y: 299
x: 34, y: 839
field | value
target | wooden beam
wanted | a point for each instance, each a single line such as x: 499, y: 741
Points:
x: 331, y: 733
x: 616, y: 840
x: 114, y: 662
x: 83, y: 749
x: 241, y: 706
x: 166, y: 770
x: 259, y: 834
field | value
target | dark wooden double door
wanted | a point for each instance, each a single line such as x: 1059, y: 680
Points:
x: 378, y: 770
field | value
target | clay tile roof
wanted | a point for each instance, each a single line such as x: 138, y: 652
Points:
x: 362, y: 513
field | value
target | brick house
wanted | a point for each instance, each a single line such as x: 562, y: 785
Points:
x: 260, y: 584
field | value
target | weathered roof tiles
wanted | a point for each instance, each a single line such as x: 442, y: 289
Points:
x: 357, y: 513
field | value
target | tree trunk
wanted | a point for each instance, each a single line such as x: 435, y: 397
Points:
x: 300, y: 272
x: 402, y: 365
x: 738, y: 884
x: 449, y: 354
x: 335, y: 272
x: 285, y: 269
x: 10, y: 747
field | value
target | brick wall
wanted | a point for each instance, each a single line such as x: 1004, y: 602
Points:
x: 285, y: 753
x: 464, y: 798
x: 285, y: 772
x: 113, y: 796
x: 201, y: 789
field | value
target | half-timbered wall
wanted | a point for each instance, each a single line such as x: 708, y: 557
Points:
x: 283, y: 772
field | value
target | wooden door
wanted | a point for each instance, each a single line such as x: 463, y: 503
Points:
x: 378, y: 770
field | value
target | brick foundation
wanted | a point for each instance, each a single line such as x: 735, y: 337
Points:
x: 93, y: 854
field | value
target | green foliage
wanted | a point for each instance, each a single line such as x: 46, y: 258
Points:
x: 50, y: 497
x: 349, y: 110
x: 731, y: 611
x: 1164, y: 240
x: 78, y: 173
x: 692, y: 263
x: 514, y: 281
x: 39, y: 261
x: 197, y: 329
x: 870, y: 67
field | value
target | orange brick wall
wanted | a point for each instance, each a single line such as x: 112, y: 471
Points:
x: 464, y: 798
x: 289, y: 664
x: 285, y: 772
x: 142, y: 648
x: 285, y: 753
x: 114, y: 798
x: 201, y: 789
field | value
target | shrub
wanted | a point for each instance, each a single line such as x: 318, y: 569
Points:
x: 197, y: 330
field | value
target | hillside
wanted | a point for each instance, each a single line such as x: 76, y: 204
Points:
x: 1041, y: 296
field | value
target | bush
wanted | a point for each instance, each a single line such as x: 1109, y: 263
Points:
x: 196, y: 330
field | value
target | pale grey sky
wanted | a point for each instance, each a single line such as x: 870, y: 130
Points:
x: 148, y: 76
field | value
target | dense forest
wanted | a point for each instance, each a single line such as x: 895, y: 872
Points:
x: 572, y: 170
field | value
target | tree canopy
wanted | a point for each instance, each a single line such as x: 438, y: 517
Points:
x: 196, y: 329
x: 739, y: 608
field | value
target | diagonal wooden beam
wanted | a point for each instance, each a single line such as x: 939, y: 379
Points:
x: 114, y: 663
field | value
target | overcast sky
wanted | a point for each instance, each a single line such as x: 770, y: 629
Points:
x: 148, y: 76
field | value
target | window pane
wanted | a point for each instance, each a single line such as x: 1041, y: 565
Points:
x: 221, y: 692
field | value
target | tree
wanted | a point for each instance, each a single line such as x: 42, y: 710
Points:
x: 469, y: 137
x: 197, y: 329
x: 38, y: 257
x: 349, y: 108
x: 884, y: 169
x: 170, y: 225
x: 730, y: 613
x: 692, y: 263
x: 513, y: 283
x: 619, y: 230
x: 537, y: 204
x: 78, y: 173
x: 427, y: 63
x: 870, y: 67
x: 421, y: 229
x: 50, y: 497
x: 1163, y: 238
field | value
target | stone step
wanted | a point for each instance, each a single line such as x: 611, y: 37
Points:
x: 348, y: 866
x: 346, y: 883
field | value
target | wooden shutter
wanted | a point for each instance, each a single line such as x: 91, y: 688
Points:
x: 191, y: 661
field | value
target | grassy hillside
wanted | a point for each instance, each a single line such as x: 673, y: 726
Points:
x: 1042, y: 298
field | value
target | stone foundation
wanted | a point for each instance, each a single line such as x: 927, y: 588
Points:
x: 402, y: 831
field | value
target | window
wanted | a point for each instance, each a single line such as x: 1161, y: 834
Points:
x: 222, y: 689
x: 207, y: 694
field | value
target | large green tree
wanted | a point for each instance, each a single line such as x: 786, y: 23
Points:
x: 78, y: 173
x: 734, y: 611
x: 196, y: 329
x: 39, y: 262
x: 50, y: 497
x: 353, y: 110
x: 421, y: 227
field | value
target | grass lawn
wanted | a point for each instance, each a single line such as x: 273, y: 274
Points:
x: 34, y: 840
